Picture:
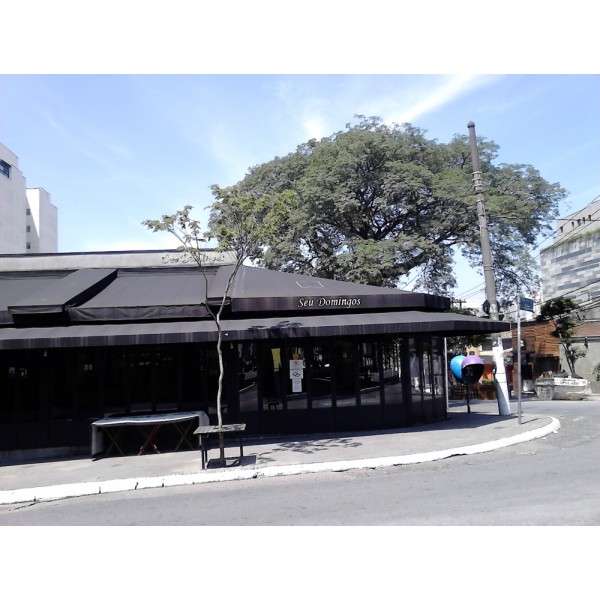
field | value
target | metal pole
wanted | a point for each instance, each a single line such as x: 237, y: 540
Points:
x: 486, y: 250
x: 488, y: 273
x: 519, y: 353
x: 446, y: 375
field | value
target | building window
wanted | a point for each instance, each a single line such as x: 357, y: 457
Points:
x: 28, y: 228
x: 4, y: 168
x: 28, y: 212
x: 28, y: 246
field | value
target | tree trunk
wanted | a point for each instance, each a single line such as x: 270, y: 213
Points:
x: 222, y: 462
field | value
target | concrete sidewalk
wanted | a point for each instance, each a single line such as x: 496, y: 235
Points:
x: 462, y: 433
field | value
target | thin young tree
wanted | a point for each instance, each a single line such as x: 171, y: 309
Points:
x: 242, y: 225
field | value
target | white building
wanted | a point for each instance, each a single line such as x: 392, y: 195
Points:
x: 28, y: 219
x: 571, y: 265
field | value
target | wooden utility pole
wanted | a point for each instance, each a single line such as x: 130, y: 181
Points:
x: 488, y: 273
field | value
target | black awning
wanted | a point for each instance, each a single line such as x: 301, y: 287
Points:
x: 57, y: 294
x: 148, y: 296
x: 394, y: 323
x: 260, y: 290
x: 16, y: 286
x: 390, y: 323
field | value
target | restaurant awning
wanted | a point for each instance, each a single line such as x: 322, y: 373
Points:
x: 56, y: 295
x: 301, y: 326
x: 147, y: 296
x: 260, y: 290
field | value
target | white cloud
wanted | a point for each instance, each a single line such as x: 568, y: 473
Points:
x: 453, y: 86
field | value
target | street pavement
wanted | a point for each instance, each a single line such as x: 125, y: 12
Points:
x: 481, y: 430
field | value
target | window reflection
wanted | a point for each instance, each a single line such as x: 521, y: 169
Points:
x: 370, y: 384
x: 321, y: 376
x: 392, y: 370
x: 345, y: 373
x: 248, y: 390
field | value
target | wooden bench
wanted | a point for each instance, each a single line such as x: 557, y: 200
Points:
x: 205, y: 431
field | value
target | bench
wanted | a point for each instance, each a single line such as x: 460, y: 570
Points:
x: 205, y: 431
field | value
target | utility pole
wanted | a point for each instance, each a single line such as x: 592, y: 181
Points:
x: 488, y: 273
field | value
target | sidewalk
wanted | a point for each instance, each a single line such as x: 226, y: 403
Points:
x: 482, y: 430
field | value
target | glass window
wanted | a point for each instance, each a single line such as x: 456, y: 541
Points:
x: 166, y: 380
x: 115, y: 380
x: 297, y: 397
x: 193, y: 370
x: 272, y: 378
x: 283, y: 378
x: 345, y: 372
x: 416, y: 381
x: 370, y: 384
x: 392, y: 370
x: 248, y: 391
x: 21, y: 384
x: 320, y: 370
x: 427, y: 378
x: 4, y: 168
x: 437, y: 357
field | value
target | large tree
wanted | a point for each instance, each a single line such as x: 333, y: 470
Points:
x: 376, y: 203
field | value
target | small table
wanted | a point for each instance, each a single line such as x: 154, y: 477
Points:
x: 143, y: 422
x: 204, y: 431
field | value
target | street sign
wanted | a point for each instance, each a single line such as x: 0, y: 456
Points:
x: 526, y: 304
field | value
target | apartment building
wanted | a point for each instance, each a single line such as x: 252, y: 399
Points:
x: 28, y: 219
x: 571, y: 265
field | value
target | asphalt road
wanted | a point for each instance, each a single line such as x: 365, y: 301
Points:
x: 550, y: 481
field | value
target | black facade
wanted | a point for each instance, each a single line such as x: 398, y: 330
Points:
x: 301, y: 354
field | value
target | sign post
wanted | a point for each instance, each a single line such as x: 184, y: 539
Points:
x: 522, y: 304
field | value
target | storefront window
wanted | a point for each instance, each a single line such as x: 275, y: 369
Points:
x: 321, y: 376
x: 437, y: 357
x: 439, y: 383
x: 283, y: 378
x: 22, y: 385
x: 427, y: 379
x: 392, y: 370
x: 345, y: 373
x: 165, y: 384
x: 370, y: 384
x: 297, y: 397
x: 416, y: 380
x: 193, y: 373
x: 248, y: 391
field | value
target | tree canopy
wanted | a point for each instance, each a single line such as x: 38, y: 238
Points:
x: 374, y: 203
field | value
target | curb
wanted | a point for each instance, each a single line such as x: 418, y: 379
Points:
x: 72, y: 490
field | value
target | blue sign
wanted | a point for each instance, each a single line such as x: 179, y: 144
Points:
x: 526, y: 304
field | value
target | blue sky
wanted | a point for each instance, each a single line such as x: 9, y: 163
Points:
x: 114, y: 149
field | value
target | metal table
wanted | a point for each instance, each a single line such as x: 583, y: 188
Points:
x: 205, y: 431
